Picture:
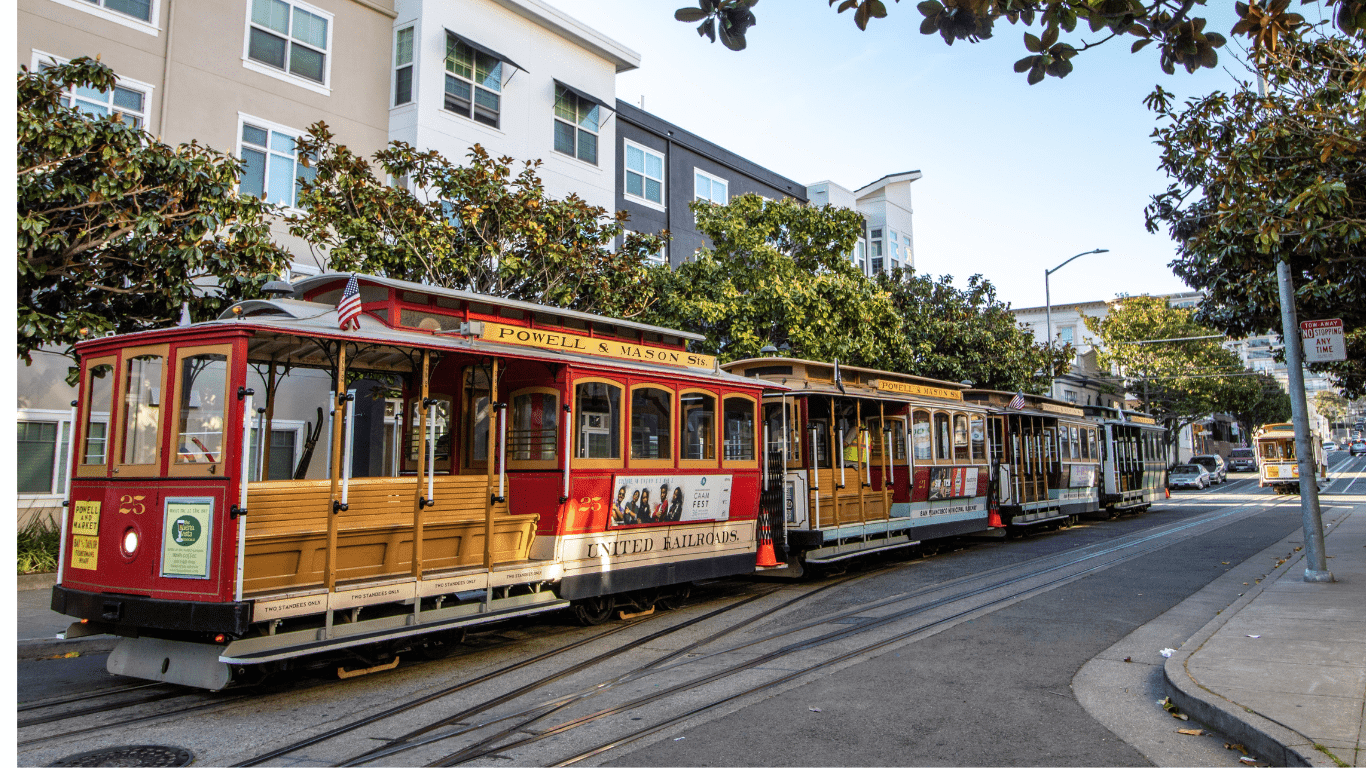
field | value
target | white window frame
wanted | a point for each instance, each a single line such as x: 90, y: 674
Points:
x: 118, y: 17
x: 411, y: 65
x: 242, y: 119
x: 576, y: 127
x: 714, y: 179
x: 41, y: 58
x: 663, y: 177
x: 279, y: 425
x: 474, y: 87
x: 284, y: 75
x: 63, y: 421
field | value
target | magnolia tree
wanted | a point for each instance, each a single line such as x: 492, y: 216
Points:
x: 1258, y: 179
x: 1056, y: 31
x: 116, y: 229
x: 485, y: 227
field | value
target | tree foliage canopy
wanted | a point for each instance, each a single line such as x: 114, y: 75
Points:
x: 1174, y: 25
x: 116, y: 229
x: 1259, y: 179
x: 484, y: 227
x: 1178, y: 381
x: 778, y: 273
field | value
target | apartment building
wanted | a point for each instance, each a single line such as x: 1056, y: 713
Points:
x: 886, y: 207
x: 518, y: 77
x: 664, y: 168
x: 242, y: 76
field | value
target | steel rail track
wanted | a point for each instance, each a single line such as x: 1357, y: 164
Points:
x: 41, y: 703
x: 404, y: 743
x: 470, y: 753
x: 113, y: 706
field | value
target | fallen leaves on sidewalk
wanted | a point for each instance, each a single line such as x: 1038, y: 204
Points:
x: 1191, y: 731
x: 1238, y: 747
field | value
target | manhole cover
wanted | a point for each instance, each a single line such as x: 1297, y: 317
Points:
x: 148, y: 755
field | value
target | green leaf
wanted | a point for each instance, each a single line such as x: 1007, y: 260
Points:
x: 690, y: 15
x: 1032, y: 43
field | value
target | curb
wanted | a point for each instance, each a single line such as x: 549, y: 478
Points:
x: 30, y: 581
x: 1276, y: 743
x: 30, y: 650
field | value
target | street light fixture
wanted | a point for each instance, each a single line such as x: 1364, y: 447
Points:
x: 1048, y: 313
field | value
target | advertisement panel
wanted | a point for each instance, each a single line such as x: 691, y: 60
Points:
x: 187, y: 532
x: 952, y: 482
x: 85, y: 539
x: 1083, y: 476
x: 662, y: 499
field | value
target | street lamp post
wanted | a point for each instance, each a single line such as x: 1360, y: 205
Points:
x: 1048, y: 314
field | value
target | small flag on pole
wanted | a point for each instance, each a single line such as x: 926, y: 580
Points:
x: 348, y: 309
x: 839, y: 379
x: 1017, y: 402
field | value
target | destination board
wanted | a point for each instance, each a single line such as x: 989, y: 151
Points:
x: 617, y: 350
x: 905, y: 388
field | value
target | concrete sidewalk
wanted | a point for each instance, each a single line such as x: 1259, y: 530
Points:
x: 1283, y: 669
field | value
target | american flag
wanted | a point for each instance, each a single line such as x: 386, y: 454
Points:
x: 1016, y: 402
x: 348, y: 309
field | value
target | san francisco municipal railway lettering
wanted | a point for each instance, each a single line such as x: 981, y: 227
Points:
x: 621, y: 350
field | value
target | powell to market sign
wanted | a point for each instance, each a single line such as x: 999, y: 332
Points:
x: 583, y: 345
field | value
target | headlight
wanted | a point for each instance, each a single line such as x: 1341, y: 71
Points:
x: 130, y: 542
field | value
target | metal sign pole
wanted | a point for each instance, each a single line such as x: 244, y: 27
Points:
x: 1315, y: 559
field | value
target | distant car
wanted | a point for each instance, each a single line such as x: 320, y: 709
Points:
x: 1214, y: 465
x: 1358, y: 447
x: 1329, y: 445
x: 1188, y: 476
x: 1242, y: 460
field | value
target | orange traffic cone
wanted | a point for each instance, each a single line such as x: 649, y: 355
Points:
x: 994, y: 517
x: 1167, y: 491
x: 766, y: 556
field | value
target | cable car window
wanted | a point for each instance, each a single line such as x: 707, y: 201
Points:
x: 738, y: 415
x: 1085, y: 445
x: 898, y: 438
x: 942, y: 451
x: 598, y: 408
x: 699, y: 431
x: 202, y: 409
x: 651, y: 423
x: 920, y: 436
x: 533, y: 433
x: 978, y: 434
x: 1075, y: 450
x: 99, y: 402
x: 822, y: 433
x: 1065, y: 443
x: 142, y: 409
x: 1091, y: 438
x: 962, y: 449
x: 476, y: 416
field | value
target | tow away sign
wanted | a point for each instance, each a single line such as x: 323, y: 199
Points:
x: 1323, y: 341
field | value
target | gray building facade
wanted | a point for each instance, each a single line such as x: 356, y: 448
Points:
x: 663, y: 168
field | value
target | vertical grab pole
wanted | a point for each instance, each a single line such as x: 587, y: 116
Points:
x: 565, y: 425
x: 836, y: 455
x: 66, y: 501
x: 334, y: 506
x: 419, y: 500
x: 863, y: 460
x: 763, y: 466
x: 887, y: 469
x: 242, y: 498
x: 488, y: 488
x: 815, y: 475
x: 430, y: 413
x: 261, y: 437
x: 350, y: 446
x: 502, y: 451
x: 841, y: 449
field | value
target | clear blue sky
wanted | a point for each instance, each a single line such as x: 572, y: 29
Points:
x: 1017, y: 178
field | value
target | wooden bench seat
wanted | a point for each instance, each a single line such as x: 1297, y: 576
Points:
x: 287, y: 530
x: 847, y: 511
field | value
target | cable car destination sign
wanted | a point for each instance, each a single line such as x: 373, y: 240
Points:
x: 584, y: 345
x: 1323, y: 341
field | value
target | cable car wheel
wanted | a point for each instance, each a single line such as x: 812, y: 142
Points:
x: 672, y: 598
x: 592, y: 611
x: 440, y: 644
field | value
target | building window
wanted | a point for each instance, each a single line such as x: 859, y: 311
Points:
x: 290, y: 37
x: 576, y: 125
x: 42, y: 456
x: 710, y: 188
x: 860, y: 256
x: 138, y: 9
x: 128, y: 100
x: 659, y: 257
x: 1066, y: 334
x: 1069, y: 395
x: 279, y: 461
x: 644, y: 174
x: 403, y: 66
x: 271, y: 168
x: 474, y: 81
